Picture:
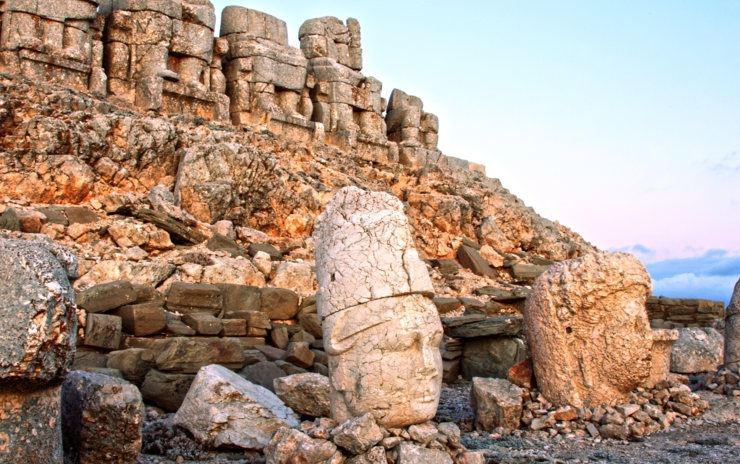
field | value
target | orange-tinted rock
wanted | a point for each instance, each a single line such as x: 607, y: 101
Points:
x: 522, y: 374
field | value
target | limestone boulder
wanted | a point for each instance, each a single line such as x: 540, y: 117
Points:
x: 38, y: 311
x: 102, y: 418
x: 357, y: 435
x: 295, y: 276
x: 698, y: 349
x: 289, y: 446
x: 587, y: 328
x: 224, y: 409
x: 409, y: 453
x: 496, y: 403
x: 308, y: 394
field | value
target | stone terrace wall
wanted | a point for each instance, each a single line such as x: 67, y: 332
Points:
x: 669, y: 313
x: 162, y: 56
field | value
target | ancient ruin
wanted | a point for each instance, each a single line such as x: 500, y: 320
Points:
x: 244, y: 253
x: 380, y: 330
x: 588, y: 330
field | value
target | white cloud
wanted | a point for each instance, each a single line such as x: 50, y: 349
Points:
x: 710, y: 287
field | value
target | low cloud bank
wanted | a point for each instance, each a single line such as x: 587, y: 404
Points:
x: 711, y: 275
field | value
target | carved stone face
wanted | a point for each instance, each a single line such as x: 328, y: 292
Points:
x: 392, y: 369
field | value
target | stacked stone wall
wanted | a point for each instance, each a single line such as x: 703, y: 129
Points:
x: 669, y: 313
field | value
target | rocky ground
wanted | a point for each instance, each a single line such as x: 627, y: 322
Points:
x: 712, y: 438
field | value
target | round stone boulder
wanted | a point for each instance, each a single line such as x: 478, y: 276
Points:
x: 698, y: 349
x: 587, y: 327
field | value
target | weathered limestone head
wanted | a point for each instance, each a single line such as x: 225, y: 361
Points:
x: 380, y: 329
x: 587, y: 327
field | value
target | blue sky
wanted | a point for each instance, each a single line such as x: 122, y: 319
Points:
x: 621, y: 119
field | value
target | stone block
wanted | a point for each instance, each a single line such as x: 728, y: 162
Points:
x: 22, y: 441
x: 97, y: 412
x: 233, y: 328
x: 522, y: 374
x: 490, y: 327
x: 103, y: 331
x: 142, y: 319
x: 187, y: 298
x: 239, y: 298
x: 409, y: 453
x: 274, y: 253
x: 188, y: 355
x: 445, y: 305
x: 107, y: 296
x: 220, y: 243
x: 203, y: 323
x: 263, y: 373
x: 278, y: 303
x: 166, y: 390
x: 279, y: 337
x: 496, y: 403
x: 697, y: 350
x: 170, y: 8
x: 300, y: 354
x: 357, y: 435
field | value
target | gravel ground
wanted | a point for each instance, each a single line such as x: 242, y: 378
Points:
x: 713, y: 439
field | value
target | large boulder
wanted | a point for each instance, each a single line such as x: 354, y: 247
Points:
x: 698, y: 349
x: 223, y: 409
x: 308, y: 394
x: 102, y: 417
x: 587, y: 327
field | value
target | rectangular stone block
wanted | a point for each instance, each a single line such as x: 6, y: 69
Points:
x: 251, y: 342
x: 190, y: 39
x: 103, y: 331
x: 188, y: 355
x: 403, y: 117
x: 327, y: 70
x: 170, y: 8
x: 142, y: 319
x: 233, y: 328
x: 239, y: 298
x: 316, y: 46
x: 256, y: 319
x: 149, y: 93
x: 256, y: 332
x: 187, y: 298
x: 104, y: 297
x: 203, y: 323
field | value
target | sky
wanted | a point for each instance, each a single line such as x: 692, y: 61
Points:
x: 621, y: 120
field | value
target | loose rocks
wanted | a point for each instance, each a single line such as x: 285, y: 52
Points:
x: 308, y: 394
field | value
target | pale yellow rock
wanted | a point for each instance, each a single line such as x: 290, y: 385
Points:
x: 380, y: 330
x: 587, y: 327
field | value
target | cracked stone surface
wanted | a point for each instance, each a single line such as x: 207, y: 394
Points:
x: 588, y: 330
x: 381, y: 330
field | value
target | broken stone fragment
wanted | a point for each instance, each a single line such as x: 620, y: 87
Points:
x: 357, y: 435
x: 38, y: 313
x: 289, y: 445
x: 224, y: 409
x: 102, y: 418
x: 308, y: 394
x: 203, y: 323
x: 496, y: 403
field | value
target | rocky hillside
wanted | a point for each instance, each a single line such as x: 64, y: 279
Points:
x: 61, y: 146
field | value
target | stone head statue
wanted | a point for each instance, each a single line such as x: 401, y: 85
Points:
x: 381, y: 331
